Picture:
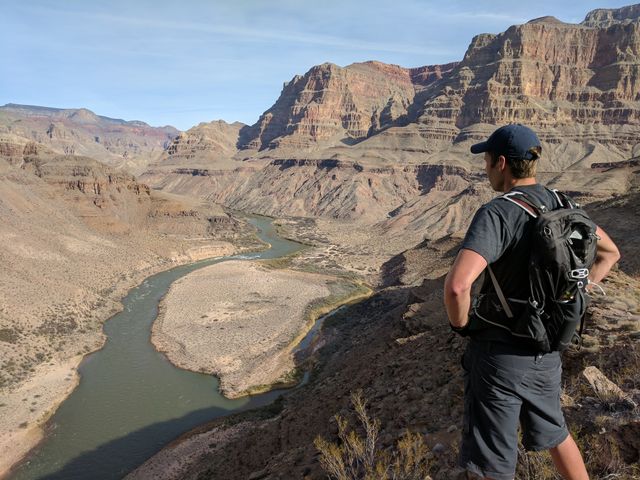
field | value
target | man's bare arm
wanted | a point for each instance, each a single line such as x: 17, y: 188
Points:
x: 457, y: 286
x: 606, y: 257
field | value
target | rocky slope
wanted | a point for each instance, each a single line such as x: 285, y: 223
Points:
x: 329, y: 188
x: 206, y: 144
x: 117, y: 143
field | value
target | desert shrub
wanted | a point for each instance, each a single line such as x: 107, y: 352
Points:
x: 535, y: 466
x: 9, y: 335
x: 604, y: 460
x: 357, y: 456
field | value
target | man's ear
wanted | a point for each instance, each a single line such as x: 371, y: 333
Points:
x: 502, y: 163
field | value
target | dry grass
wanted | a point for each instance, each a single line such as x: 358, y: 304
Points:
x: 357, y: 455
x: 535, y: 466
x: 603, y: 459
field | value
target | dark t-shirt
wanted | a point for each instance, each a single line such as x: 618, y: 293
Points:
x: 499, y: 232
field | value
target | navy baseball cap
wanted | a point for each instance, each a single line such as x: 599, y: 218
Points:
x: 512, y: 141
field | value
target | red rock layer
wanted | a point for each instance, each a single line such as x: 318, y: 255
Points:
x: 333, y: 103
x: 544, y: 73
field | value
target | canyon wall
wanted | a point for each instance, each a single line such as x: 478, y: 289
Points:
x: 348, y: 142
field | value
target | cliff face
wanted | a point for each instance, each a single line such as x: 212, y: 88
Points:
x: 14, y: 149
x: 205, y: 142
x: 81, y: 132
x: 547, y: 74
x: 605, y: 17
x: 333, y: 103
x: 109, y: 201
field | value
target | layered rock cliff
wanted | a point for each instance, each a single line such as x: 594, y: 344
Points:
x: 548, y: 74
x: 207, y: 143
x: 332, y: 104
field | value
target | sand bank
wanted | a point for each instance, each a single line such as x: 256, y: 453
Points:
x: 176, y: 458
x: 239, y: 321
x: 25, y: 409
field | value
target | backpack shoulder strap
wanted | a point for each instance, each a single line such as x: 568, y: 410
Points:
x: 500, y: 293
x: 565, y: 200
x: 533, y: 209
x: 525, y: 202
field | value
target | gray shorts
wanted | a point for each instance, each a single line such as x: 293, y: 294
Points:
x: 506, y: 386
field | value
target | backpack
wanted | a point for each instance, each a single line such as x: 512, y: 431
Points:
x: 563, y: 249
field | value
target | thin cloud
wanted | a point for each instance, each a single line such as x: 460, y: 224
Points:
x: 254, y: 34
x: 494, y: 17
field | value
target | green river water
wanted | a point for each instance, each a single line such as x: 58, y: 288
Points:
x: 131, y: 401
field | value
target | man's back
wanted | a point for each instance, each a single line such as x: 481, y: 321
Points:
x: 499, y: 233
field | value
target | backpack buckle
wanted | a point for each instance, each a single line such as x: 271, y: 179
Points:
x: 579, y: 273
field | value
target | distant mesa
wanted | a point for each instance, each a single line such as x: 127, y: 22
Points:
x: 547, y: 19
x: 606, y: 17
x: 77, y: 114
x: 115, y: 142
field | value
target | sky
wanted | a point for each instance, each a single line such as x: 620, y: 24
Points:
x: 183, y: 62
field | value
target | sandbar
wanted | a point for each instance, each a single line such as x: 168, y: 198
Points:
x: 238, y: 320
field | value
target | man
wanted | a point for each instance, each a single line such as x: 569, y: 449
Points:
x: 506, y: 382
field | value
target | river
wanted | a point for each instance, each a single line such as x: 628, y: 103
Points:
x: 131, y: 401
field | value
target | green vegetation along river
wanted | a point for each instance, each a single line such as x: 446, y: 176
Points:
x: 131, y: 401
